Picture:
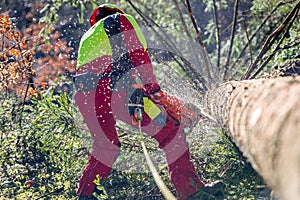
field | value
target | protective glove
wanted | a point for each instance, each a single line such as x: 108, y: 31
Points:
x: 186, y: 114
x: 151, y: 88
x: 136, y: 106
x: 157, y: 97
x: 154, y: 92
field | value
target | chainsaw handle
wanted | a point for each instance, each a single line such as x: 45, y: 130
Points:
x: 138, y: 114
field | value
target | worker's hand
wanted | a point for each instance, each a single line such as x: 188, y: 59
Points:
x: 157, y: 97
x: 152, y: 88
x: 154, y: 92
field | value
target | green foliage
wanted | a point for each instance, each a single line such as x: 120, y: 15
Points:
x: 166, y: 16
x: 41, y: 149
x: 52, y: 7
x: 130, y: 177
x: 251, y: 32
x: 218, y: 158
x: 44, y: 150
x: 100, y: 188
x: 222, y: 4
x: 261, y: 9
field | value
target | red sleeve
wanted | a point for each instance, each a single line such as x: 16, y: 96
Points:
x: 138, y: 53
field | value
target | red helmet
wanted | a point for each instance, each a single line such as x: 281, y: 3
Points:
x: 102, y: 11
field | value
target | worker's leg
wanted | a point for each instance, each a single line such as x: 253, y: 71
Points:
x: 171, y: 139
x: 95, y: 107
x: 92, y: 169
x: 182, y: 172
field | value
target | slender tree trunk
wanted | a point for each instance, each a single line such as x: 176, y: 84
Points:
x: 263, y: 118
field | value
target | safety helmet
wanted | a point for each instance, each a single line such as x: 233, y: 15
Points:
x: 103, y: 11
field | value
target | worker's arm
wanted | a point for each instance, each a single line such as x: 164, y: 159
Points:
x: 138, y: 52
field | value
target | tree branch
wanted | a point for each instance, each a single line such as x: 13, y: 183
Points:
x: 169, y: 44
x: 277, y: 47
x: 270, y: 40
x: 217, y: 35
x: 208, y: 66
x: 255, y: 32
x: 233, y: 29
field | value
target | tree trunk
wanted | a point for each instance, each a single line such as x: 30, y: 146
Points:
x: 263, y: 118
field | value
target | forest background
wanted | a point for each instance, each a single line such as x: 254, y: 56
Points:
x: 44, y: 141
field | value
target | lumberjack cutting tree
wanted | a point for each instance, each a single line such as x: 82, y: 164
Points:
x: 114, y: 76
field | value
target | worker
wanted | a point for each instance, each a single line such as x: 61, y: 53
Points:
x: 112, y: 59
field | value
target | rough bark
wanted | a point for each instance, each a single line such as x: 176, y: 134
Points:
x: 263, y: 118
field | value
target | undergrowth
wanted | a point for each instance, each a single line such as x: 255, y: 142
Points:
x: 45, y: 145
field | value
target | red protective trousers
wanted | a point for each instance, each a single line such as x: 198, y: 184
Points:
x: 100, y: 110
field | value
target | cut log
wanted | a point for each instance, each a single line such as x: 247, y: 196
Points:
x: 263, y: 118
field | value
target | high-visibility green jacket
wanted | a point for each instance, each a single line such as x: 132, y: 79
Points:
x: 116, y: 44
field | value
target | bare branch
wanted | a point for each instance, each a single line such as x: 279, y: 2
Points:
x: 217, y: 35
x: 256, y: 31
x: 174, y: 72
x: 208, y: 66
x: 169, y: 44
x: 270, y: 40
x: 244, y: 26
x: 277, y: 47
x: 151, y: 23
x: 233, y: 29
x: 196, y: 51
